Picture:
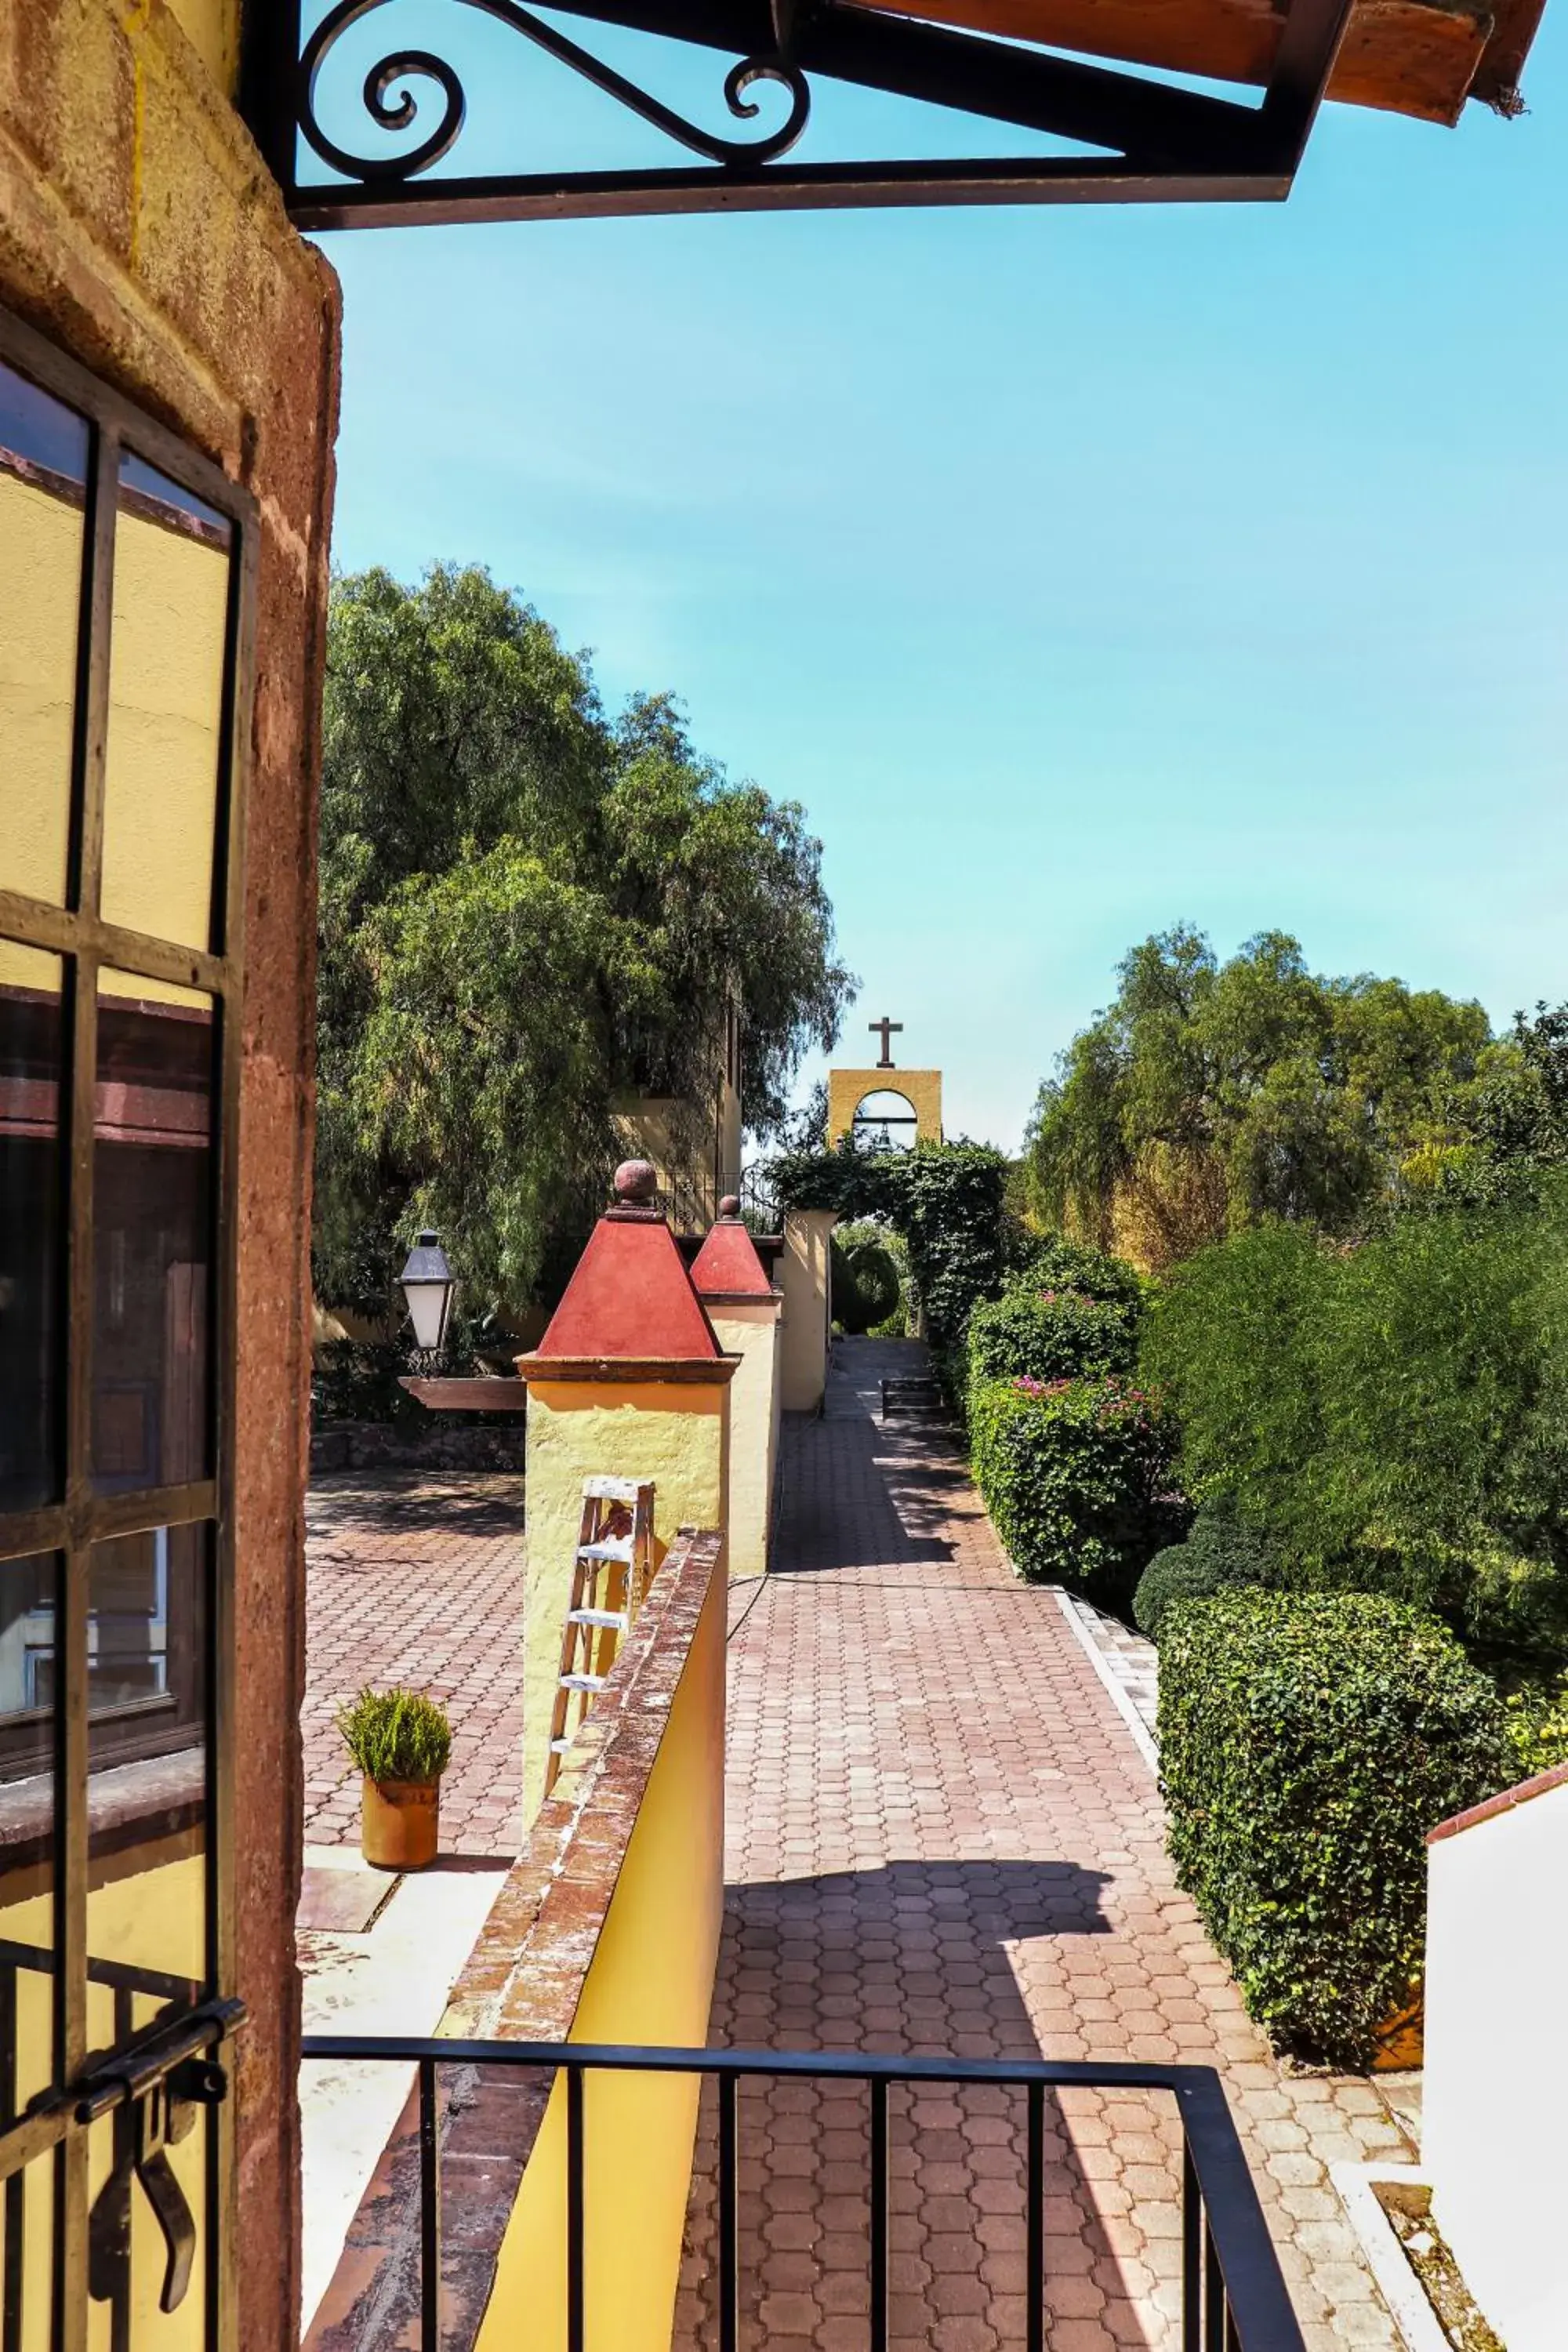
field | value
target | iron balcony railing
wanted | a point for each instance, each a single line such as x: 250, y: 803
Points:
x: 1234, y: 2297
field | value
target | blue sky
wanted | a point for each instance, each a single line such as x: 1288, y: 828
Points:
x: 1081, y: 570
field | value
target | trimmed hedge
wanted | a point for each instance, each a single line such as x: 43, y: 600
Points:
x: 1222, y: 1551
x: 1051, y: 1335
x: 866, y: 1287
x: 1076, y: 1476
x: 1308, y: 1742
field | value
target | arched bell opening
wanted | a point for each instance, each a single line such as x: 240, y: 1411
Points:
x: 885, y: 1120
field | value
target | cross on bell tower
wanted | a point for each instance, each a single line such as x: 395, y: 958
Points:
x: 885, y: 1030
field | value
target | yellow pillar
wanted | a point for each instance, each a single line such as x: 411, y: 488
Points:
x: 628, y: 1381
x: 804, y: 1277
x: 746, y: 1310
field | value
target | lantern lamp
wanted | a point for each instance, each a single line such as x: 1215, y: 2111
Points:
x: 428, y: 1287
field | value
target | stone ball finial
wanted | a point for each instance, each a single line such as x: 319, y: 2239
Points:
x: 729, y: 1206
x: 637, y: 1183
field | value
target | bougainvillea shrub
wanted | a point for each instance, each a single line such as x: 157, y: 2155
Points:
x: 1077, y: 1478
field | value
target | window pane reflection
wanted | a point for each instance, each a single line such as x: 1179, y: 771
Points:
x: 147, y: 1684
x: 43, y: 471
x: 172, y: 557
x: 31, y: 1067
x: 28, y: 1591
x: 152, y: 1171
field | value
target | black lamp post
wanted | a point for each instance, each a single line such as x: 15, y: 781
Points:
x: 428, y: 1287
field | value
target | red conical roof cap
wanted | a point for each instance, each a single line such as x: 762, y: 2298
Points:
x: 630, y: 1295
x: 727, y: 1265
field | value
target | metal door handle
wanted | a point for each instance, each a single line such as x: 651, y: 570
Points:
x: 165, y: 2110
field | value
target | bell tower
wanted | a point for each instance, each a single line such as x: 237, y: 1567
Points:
x: 882, y: 1103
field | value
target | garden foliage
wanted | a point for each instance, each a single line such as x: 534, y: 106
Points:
x: 1077, y: 1478
x: 1307, y: 1743
x: 396, y: 1735
x: 1396, y: 1415
x: 867, y: 1288
x: 1537, y: 1728
x: 1221, y: 1552
x: 1210, y: 1096
x: 1050, y: 1334
x: 947, y: 1200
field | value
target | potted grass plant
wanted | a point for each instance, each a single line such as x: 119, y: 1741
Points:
x: 401, y: 1741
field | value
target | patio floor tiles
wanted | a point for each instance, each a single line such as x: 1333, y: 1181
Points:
x: 417, y: 1578
x: 942, y: 1839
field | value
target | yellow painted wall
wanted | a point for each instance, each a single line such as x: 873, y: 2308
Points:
x: 754, y: 1332
x: 650, y: 1982
x: 675, y: 1434
x: 171, y: 601
x: 847, y: 1090
x: 41, y: 597
x: 803, y: 1277
x: 166, y: 692
x: 153, y: 1919
x: 696, y: 1149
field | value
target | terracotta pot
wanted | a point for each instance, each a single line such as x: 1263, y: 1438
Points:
x: 399, y: 1823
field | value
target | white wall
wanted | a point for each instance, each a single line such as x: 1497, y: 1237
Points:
x: 1495, y: 2102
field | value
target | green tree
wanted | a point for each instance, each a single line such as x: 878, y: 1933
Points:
x: 1209, y: 1096
x: 1511, y: 1120
x: 528, y: 908
x: 1394, y: 1414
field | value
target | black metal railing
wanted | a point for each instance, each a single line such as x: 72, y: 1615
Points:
x: 759, y: 1200
x: 1234, y: 2297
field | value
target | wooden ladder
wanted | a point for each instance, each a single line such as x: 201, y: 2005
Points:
x: 610, y: 1571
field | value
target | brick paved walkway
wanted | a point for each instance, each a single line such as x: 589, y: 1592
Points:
x: 417, y: 1578
x: 944, y: 1838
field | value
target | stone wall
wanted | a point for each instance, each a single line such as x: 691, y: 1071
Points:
x: 385, y: 1445
x: 139, y: 232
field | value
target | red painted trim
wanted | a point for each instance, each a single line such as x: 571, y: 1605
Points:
x: 1503, y: 1803
x: 679, y: 1371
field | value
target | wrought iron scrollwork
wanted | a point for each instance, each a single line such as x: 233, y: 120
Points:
x: 392, y: 113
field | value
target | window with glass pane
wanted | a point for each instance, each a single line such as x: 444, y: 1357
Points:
x: 152, y: 1225
x: 167, y: 654
x: 147, y: 1685
x: 29, y: 1592
x: 31, y: 1062
x: 44, y: 449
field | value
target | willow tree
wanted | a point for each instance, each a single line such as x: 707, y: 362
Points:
x: 1210, y: 1096
x: 528, y: 908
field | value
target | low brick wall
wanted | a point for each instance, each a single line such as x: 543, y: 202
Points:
x: 606, y: 1929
